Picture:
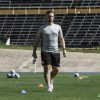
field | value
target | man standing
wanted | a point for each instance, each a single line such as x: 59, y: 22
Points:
x: 7, y: 38
x: 50, y: 56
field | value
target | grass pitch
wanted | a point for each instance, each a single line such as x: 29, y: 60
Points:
x: 67, y: 87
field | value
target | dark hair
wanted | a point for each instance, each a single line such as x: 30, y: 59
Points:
x: 49, y: 11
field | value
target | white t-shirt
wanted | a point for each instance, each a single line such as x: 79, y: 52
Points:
x: 50, y: 35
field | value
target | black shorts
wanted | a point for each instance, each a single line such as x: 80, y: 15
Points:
x: 50, y: 58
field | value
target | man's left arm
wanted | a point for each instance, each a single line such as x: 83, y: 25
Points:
x: 62, y: 42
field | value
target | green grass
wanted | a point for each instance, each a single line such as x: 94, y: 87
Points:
x: 66, y: 87
x: 12, y: 46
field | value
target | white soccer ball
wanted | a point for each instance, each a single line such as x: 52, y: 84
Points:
x: 12, y: 71
x: 17, y: 76
x: 76, y: 74
x: 13, y: 74
x: 9, y: 75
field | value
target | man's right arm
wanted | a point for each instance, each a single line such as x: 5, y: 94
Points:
x: 36, y: 42
x: 38, y: 36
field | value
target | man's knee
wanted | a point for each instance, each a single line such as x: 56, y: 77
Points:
x: 55, y: 69
x: 47, y: 68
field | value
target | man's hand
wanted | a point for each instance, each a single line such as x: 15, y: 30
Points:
x: 34, y: 55
x: 64, y: 52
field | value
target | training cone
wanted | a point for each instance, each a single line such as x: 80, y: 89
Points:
x: 98, y: 96
x: 40, y: 85
x: 23, y: 92
x: 80, y: 78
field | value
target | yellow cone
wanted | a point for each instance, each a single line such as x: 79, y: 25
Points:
x: 80, y: 78
x: 40, y: 85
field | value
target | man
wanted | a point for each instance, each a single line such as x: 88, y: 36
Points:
x: 7, y: 38
x: 50, y: 56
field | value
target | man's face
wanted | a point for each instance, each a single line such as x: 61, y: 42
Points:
x: 50, y: 17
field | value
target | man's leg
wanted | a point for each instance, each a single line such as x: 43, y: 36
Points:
x: 55, y: 61
x: 47, y: 76
x: 54, y: 72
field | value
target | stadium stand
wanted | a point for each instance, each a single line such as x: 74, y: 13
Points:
x: 79, y: 19
x: 47, y: 3
x: 23, y: 27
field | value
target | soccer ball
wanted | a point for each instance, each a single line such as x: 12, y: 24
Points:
x: 17, y: 76
x: 76, y: 74
x: 12, y: 71
x: 13, y: 74
x: 9, y: 75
